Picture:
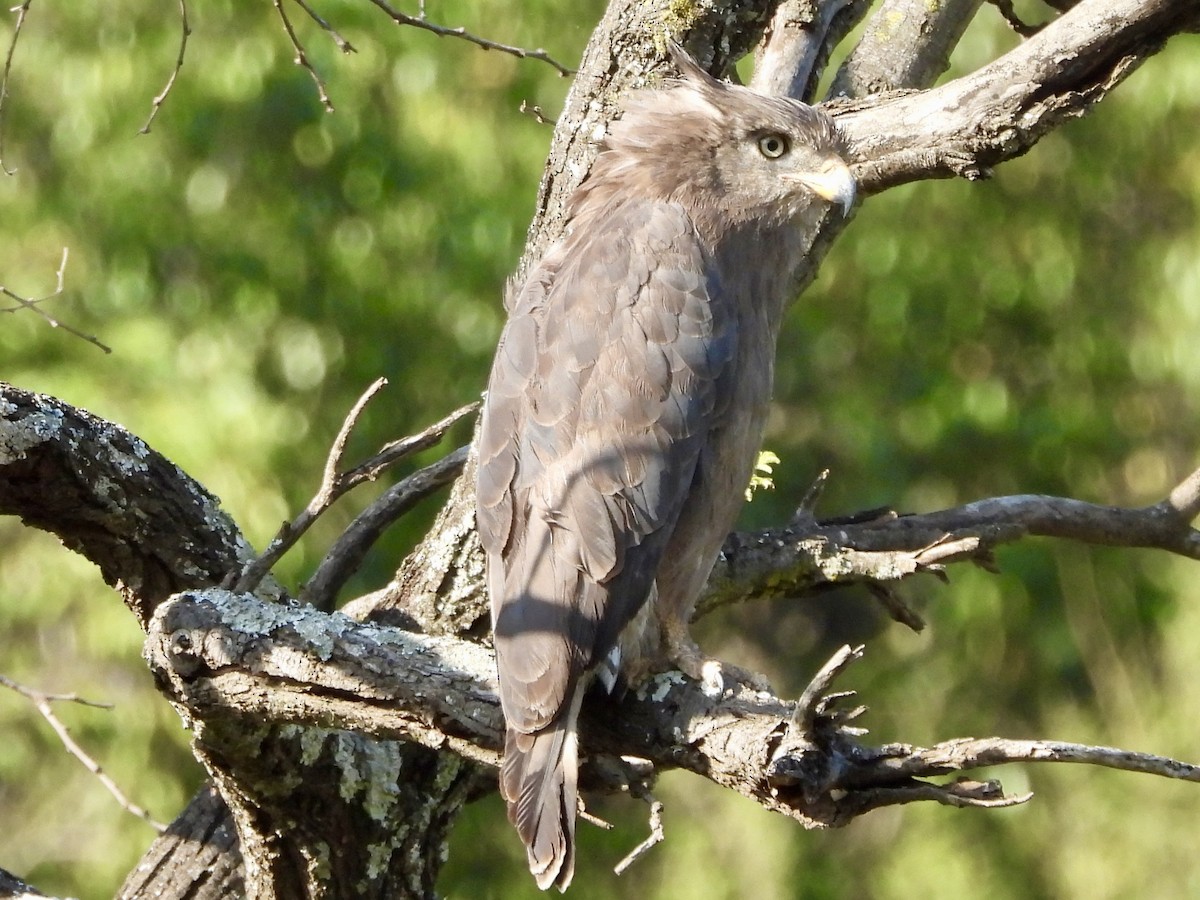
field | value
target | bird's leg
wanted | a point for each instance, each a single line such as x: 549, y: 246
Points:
x: 713, y: 674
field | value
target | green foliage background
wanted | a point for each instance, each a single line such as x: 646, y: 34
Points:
x: 255, y: 262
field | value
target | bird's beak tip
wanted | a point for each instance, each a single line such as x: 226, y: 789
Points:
x: 834, y: 183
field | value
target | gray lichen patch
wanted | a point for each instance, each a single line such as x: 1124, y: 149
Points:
x: 17, y: 437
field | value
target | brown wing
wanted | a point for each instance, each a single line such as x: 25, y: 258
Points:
x: 599, y: 403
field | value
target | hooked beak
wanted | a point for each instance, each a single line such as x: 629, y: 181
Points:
x: 832, y: 182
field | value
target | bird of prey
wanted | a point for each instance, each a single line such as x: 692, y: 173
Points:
x: 625, y: 408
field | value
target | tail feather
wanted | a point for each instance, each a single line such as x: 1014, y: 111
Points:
x: 539, y: 780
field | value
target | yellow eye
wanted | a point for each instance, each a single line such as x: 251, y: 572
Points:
x: 772, y: 146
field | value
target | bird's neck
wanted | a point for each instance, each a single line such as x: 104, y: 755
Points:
x: 765, y: 262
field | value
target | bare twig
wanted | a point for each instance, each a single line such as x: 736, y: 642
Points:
x: 655, y: 837
x: 419, y: 21
x: 894, y: 605
x: 349, y: 550
x: 335, y: 482
x: 972, y: 753
x: 42, y: 701
x: 301, y: 58
x: 593, y: 819
x: 21, y: 12
x: 805, y: 509
x: 337, y: 452
x: 342, y: 44
x: 960, y: 794
x: 34, y: 694
x: 405, y: 447
x: 34, y: 304
x: 536, y: 112
x: 1014, y: 21
x: 185, y: 31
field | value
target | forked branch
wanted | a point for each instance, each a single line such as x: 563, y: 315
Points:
x: 229, y: 657
x: 886, y: 547
x: 337, y: 481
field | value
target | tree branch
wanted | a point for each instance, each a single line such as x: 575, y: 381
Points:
x: 906, y: 44
x: 34, y: 304
x: 419, y: 21
x: 150, y: 528
x: 336, y: 482
x: 797, y: 44
x: 967, y: 126
x: 301, y: 56
x: 22, y: 10
x: 41, y: 701
x: 348, y: 551
x: 807, y: 555
x: 228, y: 659
x: 185, y: 30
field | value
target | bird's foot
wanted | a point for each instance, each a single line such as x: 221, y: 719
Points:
x: 715, y: 676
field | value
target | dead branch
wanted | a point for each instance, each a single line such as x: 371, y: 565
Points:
x: 807, y: 554
x: 906, y: 44
x: 301, y: 57
x: 420, y: 21
x: 336, y: 483
x: 347, y: 553
x: 150, y: 528
x: 797, y: 44
x: 41, y: 701
x: 656, y: 836
x: 342, y: 44
x: 185, y: 31
x: 965, y: 127
x: 35, y: 305
x: 21, y: 12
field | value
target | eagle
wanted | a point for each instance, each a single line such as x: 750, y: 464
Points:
x: 625, y: 408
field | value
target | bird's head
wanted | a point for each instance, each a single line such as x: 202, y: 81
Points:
x: 720, y: 147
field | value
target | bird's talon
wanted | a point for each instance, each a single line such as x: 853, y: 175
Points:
x: 712, y: 680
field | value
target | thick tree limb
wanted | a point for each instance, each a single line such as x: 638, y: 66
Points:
x: 231, y: 659
x: 198, y: 857
x: 907, y: 44
x: 997, y: 113
x: 150, y: 528
x: 153, y: 531
x: 797, y: 44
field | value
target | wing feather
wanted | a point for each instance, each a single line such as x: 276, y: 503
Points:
x: 600, y: 399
